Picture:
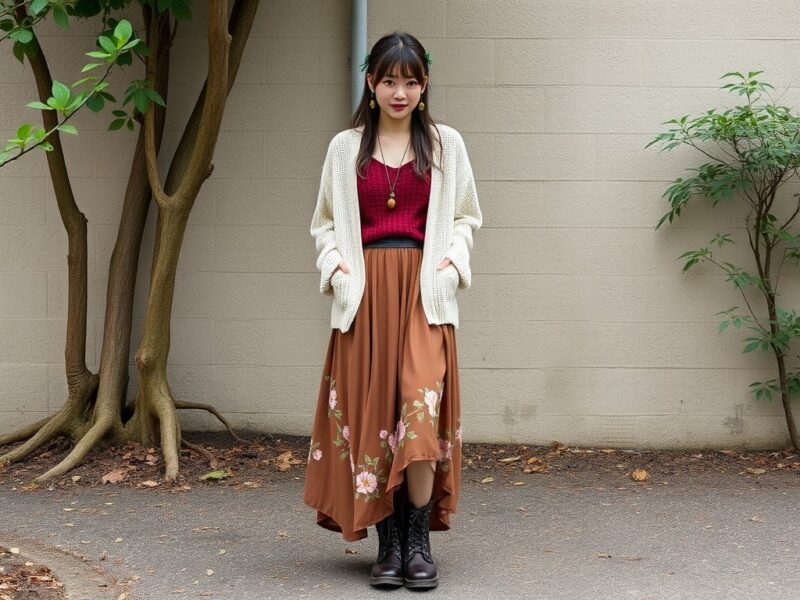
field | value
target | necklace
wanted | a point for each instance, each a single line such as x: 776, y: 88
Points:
x: 391, y: 202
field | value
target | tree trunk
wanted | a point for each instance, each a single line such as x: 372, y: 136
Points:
x: 93, y: 414
x: 780, y: 357
x: 81, y: 383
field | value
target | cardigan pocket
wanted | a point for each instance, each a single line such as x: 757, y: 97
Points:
x: 339, y: 287
x: 448, y: 280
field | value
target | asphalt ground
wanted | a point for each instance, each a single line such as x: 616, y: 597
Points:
x: 571, y: 535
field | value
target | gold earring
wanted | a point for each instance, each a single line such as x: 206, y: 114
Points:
x: 421, y: 106
x: 372, y: 101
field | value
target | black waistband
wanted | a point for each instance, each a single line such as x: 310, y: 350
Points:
x: 394, y: 242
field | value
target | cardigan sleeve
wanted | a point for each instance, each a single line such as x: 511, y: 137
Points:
x: 322, y: 226
x: 468, y: 217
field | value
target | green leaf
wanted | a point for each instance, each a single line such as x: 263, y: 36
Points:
x: 23, y: 36
x: 107, y: 45
x: 61, y: 94
x: 181, y: 10
x: 123, y: 32
x: 24, y: 130
x: 68, y: 129
x: 75, y: 102
x: 130, y: 124
x: 119, y: 113
x: 95, y: 103
x: 723, y: 326
x: 60, y: 16
x: 154, y: 96
x: 125, y: 59
x: 217, y: 475
x: 141, y: 101
x: 39, y: 105
x: 83, y: 80
x: 90, y: 66
x: 37, y: 6
x: 19, y: 51
x: 750, y: 347
x: 116, y: 124
x: 98, y: 54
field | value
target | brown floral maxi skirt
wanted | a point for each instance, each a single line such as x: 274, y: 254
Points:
x: 389, y: 395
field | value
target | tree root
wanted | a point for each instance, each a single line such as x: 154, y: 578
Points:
x: 23, y: 433
x: 196, y: 405
x: 96, y: 432
x: 50, y: 430
x: 212, y: 460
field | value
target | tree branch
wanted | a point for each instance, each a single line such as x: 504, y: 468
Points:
x: 150, y: 146
x: 219, y: 42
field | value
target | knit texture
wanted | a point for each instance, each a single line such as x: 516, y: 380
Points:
x: 407, y: 218
x: 453, y: 216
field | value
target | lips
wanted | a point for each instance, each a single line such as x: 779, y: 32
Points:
x: 399, y: 106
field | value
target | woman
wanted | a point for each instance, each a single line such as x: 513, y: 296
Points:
x: 393, y: 227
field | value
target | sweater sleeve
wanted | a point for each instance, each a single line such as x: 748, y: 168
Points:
x: 468, y: 217
x: 322, y: 226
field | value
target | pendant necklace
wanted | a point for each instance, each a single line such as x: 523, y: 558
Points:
x: 391, y: 202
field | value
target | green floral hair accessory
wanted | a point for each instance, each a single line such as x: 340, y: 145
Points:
x: 365, y: 64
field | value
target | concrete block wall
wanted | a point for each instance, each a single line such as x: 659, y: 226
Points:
x: 579, y: 326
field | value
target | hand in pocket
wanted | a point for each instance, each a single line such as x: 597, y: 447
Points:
x: 342, y: 266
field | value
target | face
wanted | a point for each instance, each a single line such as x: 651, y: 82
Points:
x: 396, y: 95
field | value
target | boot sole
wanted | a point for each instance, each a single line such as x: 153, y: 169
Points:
x: 387, y: 580
x: 421, y: 583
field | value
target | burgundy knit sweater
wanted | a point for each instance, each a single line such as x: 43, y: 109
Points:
x: 407, y: 218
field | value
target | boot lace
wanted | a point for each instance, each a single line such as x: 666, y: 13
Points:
x: 388, y: 537
x: 418, y: 541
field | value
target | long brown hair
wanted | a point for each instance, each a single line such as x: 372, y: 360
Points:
x: 401, y: 51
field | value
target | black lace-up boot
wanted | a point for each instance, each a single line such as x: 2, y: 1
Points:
x: 388, y: 568
x: 419, y: 566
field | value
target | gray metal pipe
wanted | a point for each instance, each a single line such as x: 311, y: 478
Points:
x: 358, y: 49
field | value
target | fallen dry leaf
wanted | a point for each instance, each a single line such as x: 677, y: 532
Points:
x: 510, y: 459
x: 114, y: 476
x: 487, y: 480
x: 640, y: 475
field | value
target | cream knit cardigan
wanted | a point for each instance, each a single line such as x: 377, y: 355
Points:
x: 453, y: 215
